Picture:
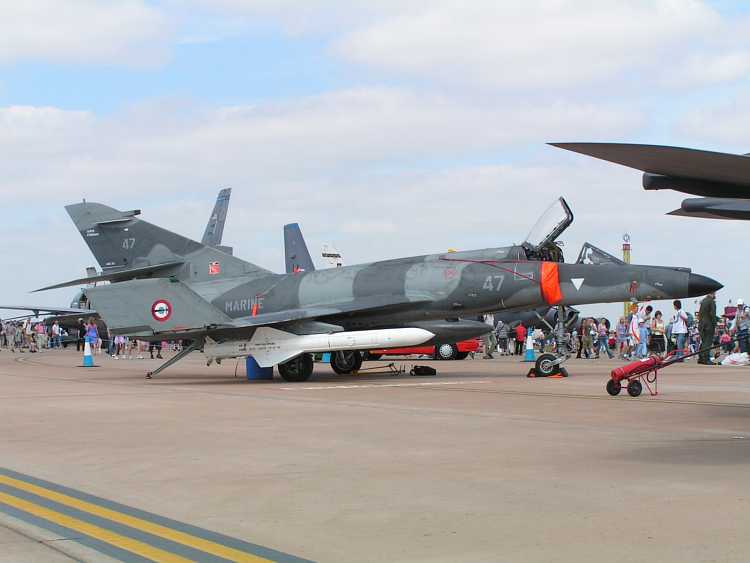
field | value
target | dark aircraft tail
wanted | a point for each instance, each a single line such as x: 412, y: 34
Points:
x: 120, y: 241
x: 215, y: 227
x: 296, y: 255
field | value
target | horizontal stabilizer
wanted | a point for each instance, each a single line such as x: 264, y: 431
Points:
x: 45, y: 309
x: 121, y: 275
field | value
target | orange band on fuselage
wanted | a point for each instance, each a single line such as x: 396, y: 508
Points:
x: 550, y: 283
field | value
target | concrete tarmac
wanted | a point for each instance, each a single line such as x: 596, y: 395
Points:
x: 475, y: 464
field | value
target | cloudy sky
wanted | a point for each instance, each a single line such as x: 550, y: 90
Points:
x: 388, y: 128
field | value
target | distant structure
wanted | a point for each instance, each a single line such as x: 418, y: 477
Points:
x: 626, y: 259
x: 332, y: 256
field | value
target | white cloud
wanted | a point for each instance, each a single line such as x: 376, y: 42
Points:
x: 725, y: 124
x: 541, y: 43
x: 335, y: 135
x: 83, y: 31
x: 509, y: 45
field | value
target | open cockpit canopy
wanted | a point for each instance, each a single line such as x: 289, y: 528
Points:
x: 540, y: 243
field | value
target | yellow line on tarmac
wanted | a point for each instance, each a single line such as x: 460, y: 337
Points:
x: 138, y: 523
x: 128, y: 544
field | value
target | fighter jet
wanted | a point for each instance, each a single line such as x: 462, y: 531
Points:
x: 723, y: 179
x: 170, y: 287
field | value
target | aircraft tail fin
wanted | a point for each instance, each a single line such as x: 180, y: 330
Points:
x: 119, y: 240
x: 296, y: 255
x: 215, y: 228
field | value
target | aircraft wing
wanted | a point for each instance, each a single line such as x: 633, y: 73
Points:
x: 159, y: 306
x: 670, y: 161
x: 45, y: 309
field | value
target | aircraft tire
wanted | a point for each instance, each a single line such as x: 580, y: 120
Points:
x: 446, y: 352
x: 297, y: 370
x: 635, y: 388
x: 546, y: 366
x: 346, y: 362
x: 613, y: 387
x: 462, y: 355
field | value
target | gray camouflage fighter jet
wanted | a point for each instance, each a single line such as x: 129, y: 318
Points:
x: 723, y: 179
x: 170, y: 287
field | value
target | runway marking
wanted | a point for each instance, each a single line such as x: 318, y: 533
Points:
x: 137, y: 534
x: 372, y: 385
x: 134, y: 546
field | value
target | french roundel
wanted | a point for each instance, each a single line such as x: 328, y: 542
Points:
x: 161, y: 310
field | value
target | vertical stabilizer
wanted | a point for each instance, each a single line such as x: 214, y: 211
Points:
x: 120, y: 241
x: 296, y: 255
x: 215, y: 227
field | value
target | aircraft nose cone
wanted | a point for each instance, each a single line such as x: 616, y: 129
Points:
x: 702, y: 285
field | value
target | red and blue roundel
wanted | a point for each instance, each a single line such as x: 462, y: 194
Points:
x: 161, y: 310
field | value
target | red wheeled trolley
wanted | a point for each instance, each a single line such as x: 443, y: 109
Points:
x: 636, y: 373
x: 647, y: 370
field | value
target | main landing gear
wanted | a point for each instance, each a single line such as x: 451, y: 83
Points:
x: 298, y: 369
x: 344, y: 363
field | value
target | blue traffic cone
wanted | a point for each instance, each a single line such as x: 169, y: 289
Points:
x: 88, y: 358
x: 528, y: 355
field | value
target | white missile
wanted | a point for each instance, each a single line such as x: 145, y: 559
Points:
x: 270, y: 346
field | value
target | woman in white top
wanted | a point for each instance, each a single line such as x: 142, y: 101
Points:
x: 679, y: 327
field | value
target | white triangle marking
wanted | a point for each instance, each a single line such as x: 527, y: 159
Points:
x: 577, y: 282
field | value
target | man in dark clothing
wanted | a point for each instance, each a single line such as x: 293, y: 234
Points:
x: 80, y: 343
x: 707, y: 327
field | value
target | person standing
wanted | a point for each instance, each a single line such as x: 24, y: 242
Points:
x: 658, y: 343
x: 621, y: 332
x: 588, y: 328
x: 520, y: 338
x: 91, y: 334
x: 502, y: 337
x: 679, y: 328
x: 81, y: 336
x: 56, y: 339
x: 603, y: 331
x: 489, y: 339
x: 707, y: 327
x: 742, y: 329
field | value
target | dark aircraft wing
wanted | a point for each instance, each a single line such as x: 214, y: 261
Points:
x: 677, y: 162
x: 714, y: 208
x: 296, y: 255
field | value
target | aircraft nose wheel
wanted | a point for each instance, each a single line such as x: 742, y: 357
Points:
x: 546, y: 365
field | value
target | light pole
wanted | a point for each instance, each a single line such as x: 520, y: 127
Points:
x: 626, y: 259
